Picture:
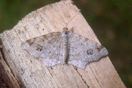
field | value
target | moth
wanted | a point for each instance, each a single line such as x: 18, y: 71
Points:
x: 64, y: 47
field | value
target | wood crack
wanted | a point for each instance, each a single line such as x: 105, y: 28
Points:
x: 82, y: 78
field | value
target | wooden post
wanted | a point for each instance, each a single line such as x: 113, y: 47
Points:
x: 32, y: 73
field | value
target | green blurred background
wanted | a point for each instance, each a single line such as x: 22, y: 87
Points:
x: 110, y: 20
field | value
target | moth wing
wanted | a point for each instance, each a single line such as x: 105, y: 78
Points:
x: 83, y: 51
x: 47, y: 48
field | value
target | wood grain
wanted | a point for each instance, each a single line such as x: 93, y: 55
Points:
x: 31, y: 73
x: 9, y: 80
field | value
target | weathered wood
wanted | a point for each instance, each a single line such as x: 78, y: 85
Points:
x: 7, y: 75
x: 31, y: 73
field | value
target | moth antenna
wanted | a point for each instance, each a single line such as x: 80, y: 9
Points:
x: 68, y: 21
x: 71, y: 20
x: 59, y: 23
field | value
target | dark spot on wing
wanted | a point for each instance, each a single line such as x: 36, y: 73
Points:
x: 39, y: 48
x: 9, y: 51
x: 99, y: 48
x: 30, y: 42
x: 66, y: 32
x: 90, y: 52
x: 86, y: 39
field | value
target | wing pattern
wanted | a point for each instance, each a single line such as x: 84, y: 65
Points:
x: 47, y: 48
x: 83, y: 51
